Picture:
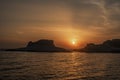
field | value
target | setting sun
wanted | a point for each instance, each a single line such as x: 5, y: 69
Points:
x: 74, y: 41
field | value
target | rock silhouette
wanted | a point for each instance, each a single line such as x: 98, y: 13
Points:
x: 107, y: 46
x: 40, y: 46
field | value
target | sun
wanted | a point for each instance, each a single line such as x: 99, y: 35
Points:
x: 73, y: 41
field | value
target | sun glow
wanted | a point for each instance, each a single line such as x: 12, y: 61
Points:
x: 74, y: 41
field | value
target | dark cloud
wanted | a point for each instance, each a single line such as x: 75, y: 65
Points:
x: 113, y: 9
x: 111, y: 2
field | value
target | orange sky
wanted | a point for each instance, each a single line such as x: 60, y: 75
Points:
x: 60, y: 20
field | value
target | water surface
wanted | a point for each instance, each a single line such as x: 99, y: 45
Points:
x: 59, y: 66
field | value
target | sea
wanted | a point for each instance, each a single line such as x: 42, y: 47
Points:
x: 59, y: 66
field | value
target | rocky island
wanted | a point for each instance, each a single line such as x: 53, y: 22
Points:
x: 107, y: 46
x: 42, y: 45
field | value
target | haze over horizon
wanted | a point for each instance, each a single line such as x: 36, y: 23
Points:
x: 65, y: 21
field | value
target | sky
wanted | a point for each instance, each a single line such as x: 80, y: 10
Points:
x: 63, y: 21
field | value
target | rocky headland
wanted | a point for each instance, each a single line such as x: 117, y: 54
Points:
x: 107, y: 46
x: 42, y: 45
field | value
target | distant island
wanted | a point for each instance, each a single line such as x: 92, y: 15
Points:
x: 107, y: 46
x: 45, y: 45
x: 42, y: 45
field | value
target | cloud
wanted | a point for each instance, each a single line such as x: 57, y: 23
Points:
x: 113, y: 9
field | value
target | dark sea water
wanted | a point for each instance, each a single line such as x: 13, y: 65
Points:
x: 59, y: 66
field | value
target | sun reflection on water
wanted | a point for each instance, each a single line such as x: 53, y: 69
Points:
x: 58, y: 66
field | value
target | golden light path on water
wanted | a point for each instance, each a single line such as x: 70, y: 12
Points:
x: 59, y: 66
x: 78, y: 67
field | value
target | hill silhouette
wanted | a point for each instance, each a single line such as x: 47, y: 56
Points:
x: 107, y: 46
x: 42, y: 45
x: 45, y: 45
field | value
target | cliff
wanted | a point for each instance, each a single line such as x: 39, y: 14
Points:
x: 40, y: 46
x: 107, y: 46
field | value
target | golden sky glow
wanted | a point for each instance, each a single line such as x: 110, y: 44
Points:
x: 70, y: 23
x: 73, y: 42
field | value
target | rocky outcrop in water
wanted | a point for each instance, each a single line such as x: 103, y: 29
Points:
x: 107, y: 46
x: 40, y: 46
